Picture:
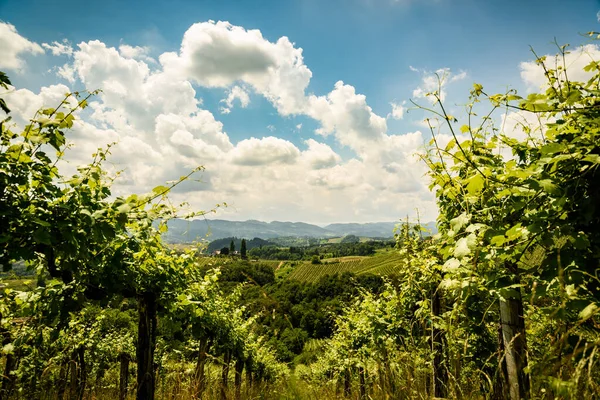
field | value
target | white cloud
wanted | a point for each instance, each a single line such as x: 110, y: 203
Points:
x: 163, y: 130
x: 13, y: 45
x: 459, y: 77
x: 128, y: 51
x: 397, y: 110
x: 533, y: 74
x: 136, y: 52
x: 67, y: 72
x: 193, y: 134
x: 342, y: 176
x: 238, y: 93
x: 59, y: 49
x: 131, y: 95
x: 347, y: 113
x: 268, y: 150
x: 24, y: 103
x: 434, y: 83
x: 320, y: 155
x: 217, y: 54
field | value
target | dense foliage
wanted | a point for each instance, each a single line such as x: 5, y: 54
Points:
x: 329, y: 250
x: 237, y: 242
x: 505, y: 301
x: 101, y: 269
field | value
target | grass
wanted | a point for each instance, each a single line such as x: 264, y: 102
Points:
x: 21, y: 283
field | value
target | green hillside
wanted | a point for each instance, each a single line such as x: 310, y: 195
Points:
x: 380, y: 264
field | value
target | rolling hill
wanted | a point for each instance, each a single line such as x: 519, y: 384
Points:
x: 183, y: 231
x: 381, y: 264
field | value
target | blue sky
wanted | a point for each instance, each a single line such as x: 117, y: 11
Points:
x: 336, y: 157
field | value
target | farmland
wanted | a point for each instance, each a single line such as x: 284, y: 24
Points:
x: 384, y: 263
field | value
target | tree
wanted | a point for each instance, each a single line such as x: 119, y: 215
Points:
x: 72, y: 229
x: 231, y: 247
x: 243, y: 248
x: 350, y: 239
x: 225, y: 251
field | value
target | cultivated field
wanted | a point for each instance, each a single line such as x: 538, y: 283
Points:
x: 381, y: 264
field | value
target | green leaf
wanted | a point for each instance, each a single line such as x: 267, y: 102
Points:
x: 451, y: 265
x: 460, y: 221
x: 475, y: 184
x: 552, y: 148
x: 515, y: 232
x: 4, y: 107
x: 4, y: 80
x: 450, y: 145
x: 42, y: 236
x: 160, y: 190
x: 593, y: 158
x: 498, y: 240
x: 589, y: 311
x: 549, y: 186
x: 474, y: 227
x: 42, y: 223
x: 124, y: 208
x: 462, y: 248
x: 98, y: 213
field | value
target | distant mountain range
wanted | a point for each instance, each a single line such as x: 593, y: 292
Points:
x: 182, y: 231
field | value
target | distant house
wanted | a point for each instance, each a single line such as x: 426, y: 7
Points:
x: 216, y: 252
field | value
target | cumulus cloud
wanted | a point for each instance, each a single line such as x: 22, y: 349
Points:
x: 162, y: 129
x: 13, y: 45
x: 136, y: 52
x: 342, y: 176
x: 217, y: 54
x: 132, y: 95
x: 128, y: 51
x: 197, y: 135
x: 347, y: 114
x: 320, y: 155
x: 268, y: 150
